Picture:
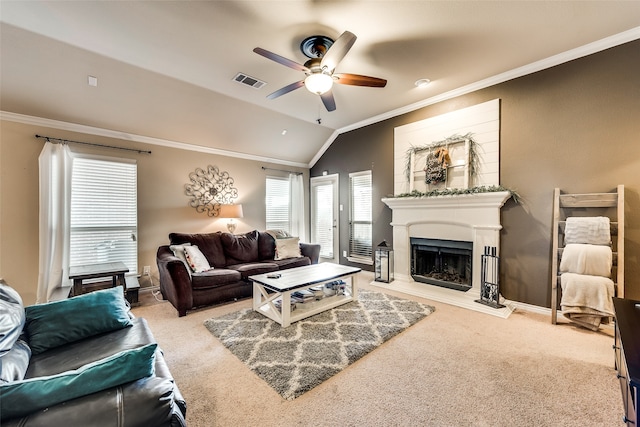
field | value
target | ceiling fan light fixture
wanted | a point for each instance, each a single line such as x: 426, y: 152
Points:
x: 318, y: 83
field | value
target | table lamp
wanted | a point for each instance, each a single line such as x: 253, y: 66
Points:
x: 231, y: 212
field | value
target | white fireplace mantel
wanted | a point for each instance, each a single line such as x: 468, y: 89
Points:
x: 468, y: 217
x: 495, y: 200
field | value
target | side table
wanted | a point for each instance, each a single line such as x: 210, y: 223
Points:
x: 115, y: 270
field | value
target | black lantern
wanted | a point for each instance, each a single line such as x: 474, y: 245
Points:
x: 384, y: 263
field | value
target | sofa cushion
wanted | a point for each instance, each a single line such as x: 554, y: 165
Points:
x: 292, y: 262
x: 20, y: 398
x: 240, y: 248
x: 214, y: 278
x: 208, y: 243
x: 79, y: 353
x: 266, y: 246
x: 251, y: 268
x: 149, y: 401
x: 56, y: 323
x: 12, y: 319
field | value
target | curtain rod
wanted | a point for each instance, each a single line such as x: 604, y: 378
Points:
x: 64, y: 141
x: 281, y: 170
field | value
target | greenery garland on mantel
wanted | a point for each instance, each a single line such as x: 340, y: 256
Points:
x: 461, y: 191
x: 473, y: 154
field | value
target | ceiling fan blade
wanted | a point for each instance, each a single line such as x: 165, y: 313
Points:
x: 358, y: 80
x: 338, y: 50
x: 286, y: 89
x: 328, y: 101
x: 280, y: 59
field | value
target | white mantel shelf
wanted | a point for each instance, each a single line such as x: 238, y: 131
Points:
x: 465, y: 217
x: 488, y: 199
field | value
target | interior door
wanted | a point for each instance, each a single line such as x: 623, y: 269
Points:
x: 324, y: 216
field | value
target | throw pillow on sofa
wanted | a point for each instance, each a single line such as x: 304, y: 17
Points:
x: 178, y: 251
x: 288, y: 248
x: 56, y: 323
x: 196, y: 259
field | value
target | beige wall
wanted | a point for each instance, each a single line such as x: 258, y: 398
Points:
x: 162, y: 205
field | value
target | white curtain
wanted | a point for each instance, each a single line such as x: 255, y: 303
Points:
x: 296, y: 206
x: 55, y: 163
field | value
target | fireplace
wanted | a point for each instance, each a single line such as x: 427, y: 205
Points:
x: 445, y: 263
x: 461, y: 223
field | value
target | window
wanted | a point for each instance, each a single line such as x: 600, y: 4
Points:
x: 104, y: 220
x: 277, y: 204
x: 360, y: 247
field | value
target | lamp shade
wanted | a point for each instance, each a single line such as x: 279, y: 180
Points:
x: 230, y: 211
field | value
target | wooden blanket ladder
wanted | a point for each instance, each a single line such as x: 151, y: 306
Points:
x: 587, y: 204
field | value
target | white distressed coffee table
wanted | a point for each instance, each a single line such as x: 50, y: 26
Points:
x: 267, y: 290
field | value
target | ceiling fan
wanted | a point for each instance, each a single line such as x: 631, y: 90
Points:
x: 324, y: 54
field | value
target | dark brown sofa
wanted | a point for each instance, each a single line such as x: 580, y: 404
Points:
x: 233, y: 257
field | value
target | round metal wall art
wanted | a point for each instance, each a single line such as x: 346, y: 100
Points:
x: 209, y: 189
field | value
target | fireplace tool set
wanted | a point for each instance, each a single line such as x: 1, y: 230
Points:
x: 490, y: 278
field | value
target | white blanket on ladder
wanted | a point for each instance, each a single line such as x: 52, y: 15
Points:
x: 594, y: 230
x: 594, y: 260
x: 587, y: 300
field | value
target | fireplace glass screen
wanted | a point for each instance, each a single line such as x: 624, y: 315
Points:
x: 446, y: 263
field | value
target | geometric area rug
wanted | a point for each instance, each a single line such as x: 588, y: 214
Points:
x: 296, y: 359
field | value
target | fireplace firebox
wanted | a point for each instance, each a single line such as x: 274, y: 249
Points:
x: 446, y: 263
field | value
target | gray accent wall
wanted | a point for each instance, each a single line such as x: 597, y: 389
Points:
x: 575, y: 126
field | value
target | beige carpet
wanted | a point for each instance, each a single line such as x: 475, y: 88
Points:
x: 454, y: 368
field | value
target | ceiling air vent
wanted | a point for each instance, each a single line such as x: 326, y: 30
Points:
x: 249, y: 81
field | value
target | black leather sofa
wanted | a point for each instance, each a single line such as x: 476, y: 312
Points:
x: 61, y: 371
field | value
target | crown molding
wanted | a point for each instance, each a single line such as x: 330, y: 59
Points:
x: 543, y: 64
x: 90, y: 130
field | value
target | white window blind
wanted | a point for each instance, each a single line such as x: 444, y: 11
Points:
x: 277, y: 204
x: 360, y: 216
x: 104, y: 213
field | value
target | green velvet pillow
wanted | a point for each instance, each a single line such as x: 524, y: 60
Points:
x: 56, y: 323
x: 21, y: 398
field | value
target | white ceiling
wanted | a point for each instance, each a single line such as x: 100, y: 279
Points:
x: 165, y: 69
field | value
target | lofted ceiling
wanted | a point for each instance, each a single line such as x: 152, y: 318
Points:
x: 165, y: 69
